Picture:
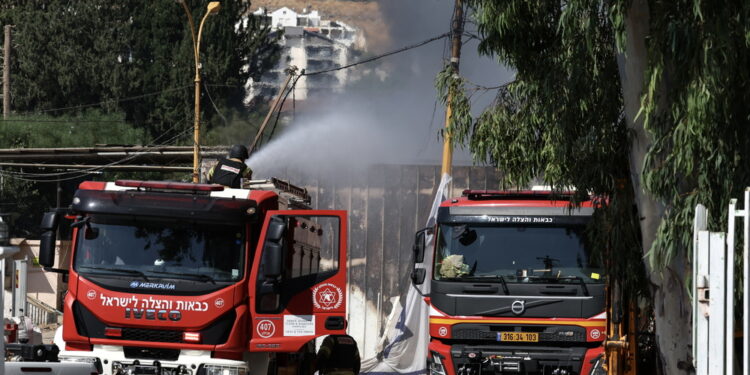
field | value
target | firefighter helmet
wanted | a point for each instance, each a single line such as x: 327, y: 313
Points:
x: 238, y: 152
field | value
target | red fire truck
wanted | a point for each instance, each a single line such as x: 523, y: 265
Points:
x: 514, y: 286
x: 175, y: 278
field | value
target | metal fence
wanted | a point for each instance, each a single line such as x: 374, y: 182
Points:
x: 42, y: 313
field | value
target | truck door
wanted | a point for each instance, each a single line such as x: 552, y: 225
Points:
x: 298, y: 279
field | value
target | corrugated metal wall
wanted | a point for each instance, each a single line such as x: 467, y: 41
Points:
x: 386, y: 204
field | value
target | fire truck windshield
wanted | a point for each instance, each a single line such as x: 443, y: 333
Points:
x: 514, y: 254
x: 159, y: 248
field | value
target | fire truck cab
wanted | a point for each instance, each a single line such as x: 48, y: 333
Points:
x: 173, y: 278
x: 514, y: 288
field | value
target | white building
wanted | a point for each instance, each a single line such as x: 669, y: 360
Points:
x: 283, y: 17
x: 311, y: 43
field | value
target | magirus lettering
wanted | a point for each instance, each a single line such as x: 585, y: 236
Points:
x: 152, y: 314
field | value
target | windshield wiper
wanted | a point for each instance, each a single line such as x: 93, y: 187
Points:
x: 483, y: 278
x: 114, y: 269
x: 198, y: 276
x: 580, y: 280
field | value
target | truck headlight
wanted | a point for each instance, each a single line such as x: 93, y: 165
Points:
x: 221, y: 370
x: 436, y: 366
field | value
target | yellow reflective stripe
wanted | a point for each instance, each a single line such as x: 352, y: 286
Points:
x: 582, y: 323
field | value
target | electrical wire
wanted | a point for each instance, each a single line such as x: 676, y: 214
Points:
x: 208, y: 93
x: 40, y: 177
x: 278, y: 112
x: 84, y: 172
x: 378, y: 57
x: 131, y: 98
x: 78, y: 174
x: 477, y: 87
x: 72, y: 121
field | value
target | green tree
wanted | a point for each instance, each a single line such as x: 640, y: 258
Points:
x: 73, y: 54
x: 133, y: 61
x: 642, y: 101
x: 29, y: 192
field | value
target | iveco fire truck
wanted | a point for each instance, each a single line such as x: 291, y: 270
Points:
x: 514, y: 286
x: 172, y: 278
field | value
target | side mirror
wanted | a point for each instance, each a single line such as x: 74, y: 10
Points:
x: 419, y: 246
x: 48, y: 239
x: 276, y: 229
x: 50, y: 220
x: 272, y: 260
x: 418, y: 275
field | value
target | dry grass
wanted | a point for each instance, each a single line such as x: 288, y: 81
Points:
x: 362, y: 15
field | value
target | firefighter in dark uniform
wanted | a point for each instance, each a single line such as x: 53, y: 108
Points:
x: 231, y: 170
x: 338, y: 355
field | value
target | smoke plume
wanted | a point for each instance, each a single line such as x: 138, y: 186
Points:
x: 395, y: 120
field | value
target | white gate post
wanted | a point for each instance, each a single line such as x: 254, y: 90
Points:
x: 729, y: 333
x: 700, y: 273
x: 716, y: 350
x: 746, y: 283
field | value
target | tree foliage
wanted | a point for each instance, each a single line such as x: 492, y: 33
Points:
x: 561, y: 118
x: 136, y: 56
x: 696, y: 108
x: 28, y: 192
x: 131, y: 61
x: 81, y: 129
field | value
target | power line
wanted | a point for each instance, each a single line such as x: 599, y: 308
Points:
x: 278, y: 113
x: 208, y: 93
x: 378, y: 57
x: 39, y: 177
x: 478, y: 87
x: 136, y: 97
x: 127, y: 99
x: 65, y: 121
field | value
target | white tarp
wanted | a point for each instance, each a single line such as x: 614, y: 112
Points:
x: 403, y: 349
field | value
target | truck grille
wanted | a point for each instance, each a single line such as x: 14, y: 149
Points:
x: 154, y: 335
x: 152, y: 353
x: 88, y: 325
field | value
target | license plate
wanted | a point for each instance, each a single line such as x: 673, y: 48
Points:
x: 518, y: 336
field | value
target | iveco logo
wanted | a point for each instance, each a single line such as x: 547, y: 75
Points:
x: 518, y: 307
x: 152, y: 314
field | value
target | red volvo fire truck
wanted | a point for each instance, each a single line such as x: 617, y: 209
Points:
x: 514, y: 286
x: 175, y: 278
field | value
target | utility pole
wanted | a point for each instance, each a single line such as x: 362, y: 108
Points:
x: 457, y: 29
x: 291, y: 72
x: 6, y: 73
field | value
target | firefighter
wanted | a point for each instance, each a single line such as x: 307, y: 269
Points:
x: 338, y: 355
x: 231, y: 170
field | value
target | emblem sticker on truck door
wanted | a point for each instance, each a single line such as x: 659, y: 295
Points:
x: 266, y: 328
x: 327, y: 296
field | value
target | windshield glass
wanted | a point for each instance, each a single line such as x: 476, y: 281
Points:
x: 515, y: 254
x: 159, y: 248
